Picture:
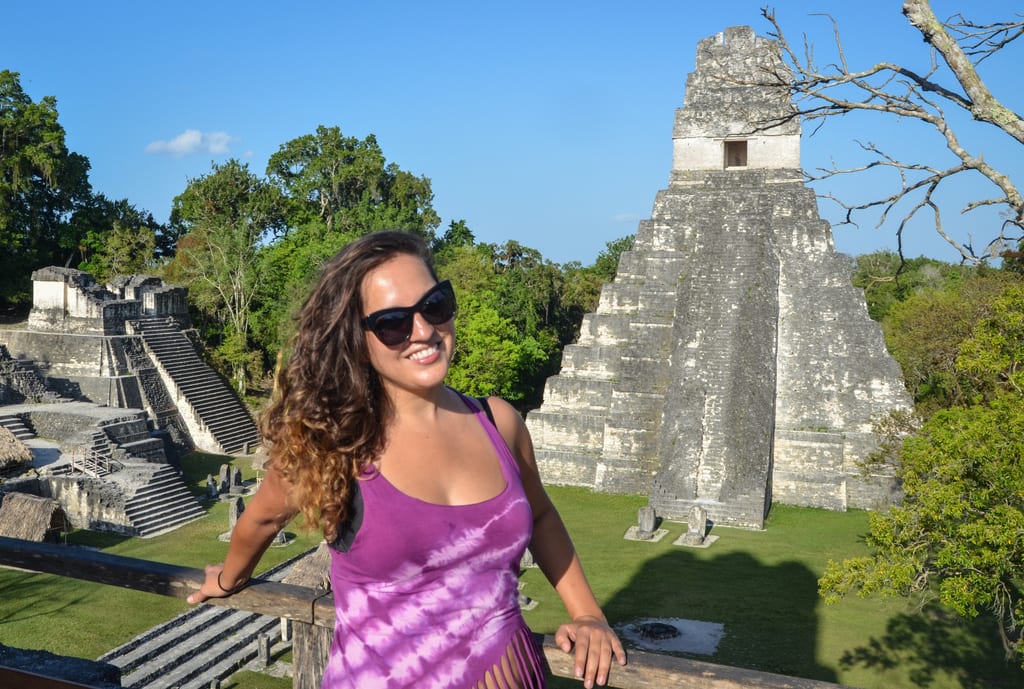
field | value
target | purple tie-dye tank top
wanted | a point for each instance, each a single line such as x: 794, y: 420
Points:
x: 426, y: 595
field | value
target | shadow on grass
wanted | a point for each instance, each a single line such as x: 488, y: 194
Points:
x: 95, y: 539
x: 744, y: 595
x: 934, y: 643
x: 35, y: 598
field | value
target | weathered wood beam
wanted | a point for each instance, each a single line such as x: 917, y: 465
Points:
x: 20, y: 679
x: 263, y: 597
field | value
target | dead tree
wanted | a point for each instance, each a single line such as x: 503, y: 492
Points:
x: 891, y: 90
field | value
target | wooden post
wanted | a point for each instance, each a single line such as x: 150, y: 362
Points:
x: 310, y: 643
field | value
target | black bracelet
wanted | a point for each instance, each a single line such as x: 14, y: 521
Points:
x: 227, y: 590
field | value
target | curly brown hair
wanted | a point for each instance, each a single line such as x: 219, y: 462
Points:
x: 327, y: 418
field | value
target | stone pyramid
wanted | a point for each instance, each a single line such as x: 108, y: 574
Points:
x: 731, y: 363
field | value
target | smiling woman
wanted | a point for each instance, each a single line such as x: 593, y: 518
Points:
x: 428, y: 498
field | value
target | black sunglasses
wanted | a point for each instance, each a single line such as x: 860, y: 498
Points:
x: 394, y: 326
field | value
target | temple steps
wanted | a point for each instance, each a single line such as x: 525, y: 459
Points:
x: 19, y: 426
x: 190, y: 651
x: 162, y: 504
x: 215, y: 404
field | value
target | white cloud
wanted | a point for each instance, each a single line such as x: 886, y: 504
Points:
x: 192, y: 141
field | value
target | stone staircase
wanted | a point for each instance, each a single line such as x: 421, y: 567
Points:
x: 216, y: 405
x: 24, y: 380
x: 18, y: 425
x: 162, y: 504
x: 204, y: 644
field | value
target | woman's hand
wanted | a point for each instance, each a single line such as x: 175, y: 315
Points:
x: 212, y: 587
x: 595, y: 644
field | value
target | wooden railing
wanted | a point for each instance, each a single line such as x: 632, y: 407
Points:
x: 314, y: 607
x: 92, y: 463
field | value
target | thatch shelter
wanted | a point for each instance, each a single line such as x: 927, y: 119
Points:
x: 32, y: 518
x: 13, y: 453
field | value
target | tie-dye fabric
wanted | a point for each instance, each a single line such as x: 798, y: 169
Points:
x: 427, y: 595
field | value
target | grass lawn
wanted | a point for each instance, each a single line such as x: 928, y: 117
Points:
x: 761, y: 585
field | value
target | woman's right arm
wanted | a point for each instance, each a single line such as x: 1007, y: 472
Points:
x: 267, y: 513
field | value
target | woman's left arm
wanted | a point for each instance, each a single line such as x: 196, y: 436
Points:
x: 588, y: 632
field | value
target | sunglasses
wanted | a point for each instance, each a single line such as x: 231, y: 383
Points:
x: 394, y: 326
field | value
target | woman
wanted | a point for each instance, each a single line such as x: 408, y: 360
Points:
x: 427, y: 505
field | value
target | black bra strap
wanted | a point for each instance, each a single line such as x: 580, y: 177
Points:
x: 487, y: 410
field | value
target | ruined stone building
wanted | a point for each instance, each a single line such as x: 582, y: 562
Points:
x: 731, y: 363
x: 112, y: 375
x: 128, y: 344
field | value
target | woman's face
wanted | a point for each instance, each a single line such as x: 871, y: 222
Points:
x: 420, y: 362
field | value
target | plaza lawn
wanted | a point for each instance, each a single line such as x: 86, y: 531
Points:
x: 761, y: 585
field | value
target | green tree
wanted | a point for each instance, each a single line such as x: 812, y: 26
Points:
x: 581, y: 287
x: 888, y: 279
x: 336, y: 188
x: 41, y: 185
x: 457, y: 235
x: 994, y: 355
x: 925, y: 332
x: 959, y: 532
x: 289, y: 266
x: 346, y: 185
x: 124, y: 250
x: 118, y: 238
x: 491, y: 356
x: 224, y: 217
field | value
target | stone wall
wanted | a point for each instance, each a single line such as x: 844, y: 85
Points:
x: 89, y: 503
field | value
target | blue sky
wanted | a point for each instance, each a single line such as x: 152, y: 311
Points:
x: 548, y: 123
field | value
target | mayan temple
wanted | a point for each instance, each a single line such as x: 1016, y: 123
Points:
x: 731, y: 363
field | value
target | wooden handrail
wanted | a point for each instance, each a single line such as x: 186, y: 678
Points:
x: 312, y: 606
x: 22, y: 679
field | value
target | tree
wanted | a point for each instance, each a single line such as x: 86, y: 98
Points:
x: 336, y: 188
x: 457, y: 235
x: 124, y: 250
x: 116, y: 238
x: 581, y: 287
x: 492, y: 357
x: 224, y: 217
x: 888, y: 279
x: 889, y: 89
x: 959, y: 532
x: 926, y: 332
x: 41, y: 185
x: 994, y: 356
x: 346, y: 185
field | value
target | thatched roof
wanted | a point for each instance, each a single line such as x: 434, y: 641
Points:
x: 31, y: 518
x: 13, y: 452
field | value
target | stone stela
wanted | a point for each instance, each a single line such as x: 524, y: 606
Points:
x: 731, y: 363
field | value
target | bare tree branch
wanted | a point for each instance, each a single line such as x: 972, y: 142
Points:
x: 889, y: 89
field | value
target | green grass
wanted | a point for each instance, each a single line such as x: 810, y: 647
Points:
x: 761, y: 585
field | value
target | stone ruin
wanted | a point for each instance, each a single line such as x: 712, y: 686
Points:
x: 127, y: 344
x: 731, y: 362
x: 107, y: 385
